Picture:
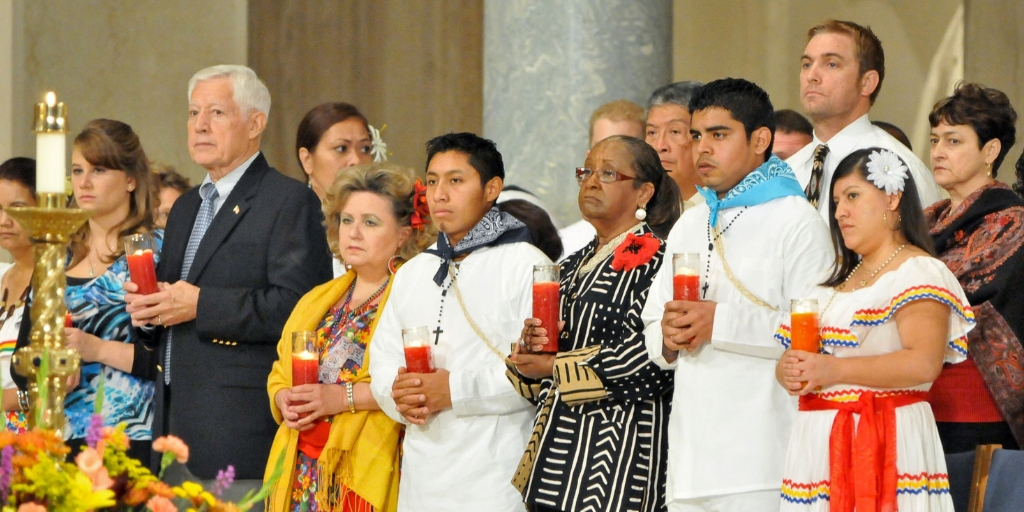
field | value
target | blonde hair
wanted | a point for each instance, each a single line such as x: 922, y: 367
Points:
x: 390, y: 181
x: 617, y: 111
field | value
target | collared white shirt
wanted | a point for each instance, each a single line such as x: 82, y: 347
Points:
x: 693, y: 201
x: 226, y: 184
x: 860, y: 134
x: 730, y: 423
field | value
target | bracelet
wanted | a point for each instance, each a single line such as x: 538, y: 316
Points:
x: 23, y: 400
x: 351, y: 396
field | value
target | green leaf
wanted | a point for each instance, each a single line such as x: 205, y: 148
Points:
x: 248, y: 502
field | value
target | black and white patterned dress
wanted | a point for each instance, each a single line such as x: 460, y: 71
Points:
x: 599, y: 439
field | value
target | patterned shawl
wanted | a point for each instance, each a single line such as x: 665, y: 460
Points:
x: 981, y: 243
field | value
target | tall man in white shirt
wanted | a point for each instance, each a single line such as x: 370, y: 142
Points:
x: 466, y: 426
x: 841, y: 73
x: 760, y: 245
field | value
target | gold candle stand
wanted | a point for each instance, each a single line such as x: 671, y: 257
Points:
x: 50, y: 226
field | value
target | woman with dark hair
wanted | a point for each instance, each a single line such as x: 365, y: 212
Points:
x: 890, y: 314
x: 17, y: 189
x: 333, y: 136
x: 111, y: 178
x: 979, y: 235
x: 600, y: 435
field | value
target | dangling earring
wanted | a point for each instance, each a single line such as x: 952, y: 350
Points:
x: 393, y: 264
x: 641, y: 213
x: 989, y: 165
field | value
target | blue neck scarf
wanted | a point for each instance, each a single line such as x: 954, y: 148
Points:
x: 495, y: 228
x: 772, y: 180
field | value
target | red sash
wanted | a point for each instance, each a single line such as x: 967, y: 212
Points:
x: 862, y: 461
x: 312, y: 441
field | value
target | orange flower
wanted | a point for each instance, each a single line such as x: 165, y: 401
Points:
x: 91, y: 464
x: 159, y: 488
x: 161, y: 504
x: 174, y: 445
x: 136, y: 496
x: 31, y: 507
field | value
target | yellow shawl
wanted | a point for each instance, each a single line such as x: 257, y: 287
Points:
x: 362, y: 450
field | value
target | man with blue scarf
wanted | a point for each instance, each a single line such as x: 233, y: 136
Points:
x: 761, y: 244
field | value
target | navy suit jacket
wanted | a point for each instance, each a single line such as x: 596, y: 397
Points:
x: 264, y: 249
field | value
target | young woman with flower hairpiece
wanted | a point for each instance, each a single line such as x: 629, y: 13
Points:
x: 600, y: 387
x: 890, y: 314
x: 342, y: 453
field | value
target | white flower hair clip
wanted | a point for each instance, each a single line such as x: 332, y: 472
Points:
x: 379, y: 148
x: 887, y: 171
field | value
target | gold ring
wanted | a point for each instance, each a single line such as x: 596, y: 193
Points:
x: 160, y: 320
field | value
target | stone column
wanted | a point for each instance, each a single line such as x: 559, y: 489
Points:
x: 548, y: 64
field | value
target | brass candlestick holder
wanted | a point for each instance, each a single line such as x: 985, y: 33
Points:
x: 50, y: 226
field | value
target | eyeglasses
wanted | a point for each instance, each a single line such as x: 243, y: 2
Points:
x: 603, y: 175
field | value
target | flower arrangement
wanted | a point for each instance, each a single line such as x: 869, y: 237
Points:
x: 35, y: 477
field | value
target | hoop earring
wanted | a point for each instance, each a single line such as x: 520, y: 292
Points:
x: 641, y: 213
x: 392, y: 267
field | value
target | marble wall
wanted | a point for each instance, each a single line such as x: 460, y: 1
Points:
x: 6, y: 78
x: 129, y: 61
x: 548, y: 65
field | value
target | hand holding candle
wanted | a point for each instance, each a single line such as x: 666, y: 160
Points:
x: 803, y: 320
x: 686, y: 276
x: 139, y: 249
x: 546, y: 306
x: 305, y: 360
x: 418, y: 358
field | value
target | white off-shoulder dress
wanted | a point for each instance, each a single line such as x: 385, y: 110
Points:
x: 863, y: 323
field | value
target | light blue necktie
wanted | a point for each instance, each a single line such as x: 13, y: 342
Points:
x: 209, y: 193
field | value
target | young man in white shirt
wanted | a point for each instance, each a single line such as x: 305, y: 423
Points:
x: 841, y: 73
x: 466, y: 427
x: 760, y: 245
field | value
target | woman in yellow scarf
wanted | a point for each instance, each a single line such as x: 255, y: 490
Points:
x: 341, y: 451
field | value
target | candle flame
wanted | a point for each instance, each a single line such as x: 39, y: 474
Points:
x: 51, y: 99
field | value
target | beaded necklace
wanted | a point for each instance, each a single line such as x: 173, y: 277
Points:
x: 863, y: 282
x: 452, y: 274
x: 363, y: 308
x: 711, y: 248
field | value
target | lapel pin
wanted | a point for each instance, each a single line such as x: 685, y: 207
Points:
x: 235, y: 210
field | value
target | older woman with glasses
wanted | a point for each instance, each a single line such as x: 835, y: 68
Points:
x: 979, y: 234
x: 600, y: 435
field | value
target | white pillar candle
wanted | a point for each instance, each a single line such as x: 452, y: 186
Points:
x: 50, y: 168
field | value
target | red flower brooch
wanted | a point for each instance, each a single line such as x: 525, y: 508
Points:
x: 420, y: 211
x: 635, y: 251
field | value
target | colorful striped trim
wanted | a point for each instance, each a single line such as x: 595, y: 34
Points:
x: 930, y: 483
x: 7, y: 347
x: 873, y: 317
x: 805, y: 494
x: 836, y: 337
x: 959, y: 345
x: 853, y: 395
x: 783, y: 336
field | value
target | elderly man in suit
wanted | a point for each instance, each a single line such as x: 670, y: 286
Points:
x: 239, y: 251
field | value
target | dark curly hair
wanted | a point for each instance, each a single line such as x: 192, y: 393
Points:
x: 986, y: 110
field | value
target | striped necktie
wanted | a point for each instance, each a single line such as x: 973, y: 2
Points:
x: 813, y: 190
x: 209, y: 193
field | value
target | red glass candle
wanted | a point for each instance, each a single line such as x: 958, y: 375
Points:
x: 546, y: 307
x: 686, y: 287
x: 139, y: 249
x: 142, y: 270
x: 418, y: 359
x: 305, y: 360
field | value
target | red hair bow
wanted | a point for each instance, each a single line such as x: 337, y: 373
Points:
x: 420, y: 211
x: 635, y: 251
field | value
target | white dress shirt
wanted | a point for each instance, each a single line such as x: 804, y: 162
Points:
x: 860, y: 134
